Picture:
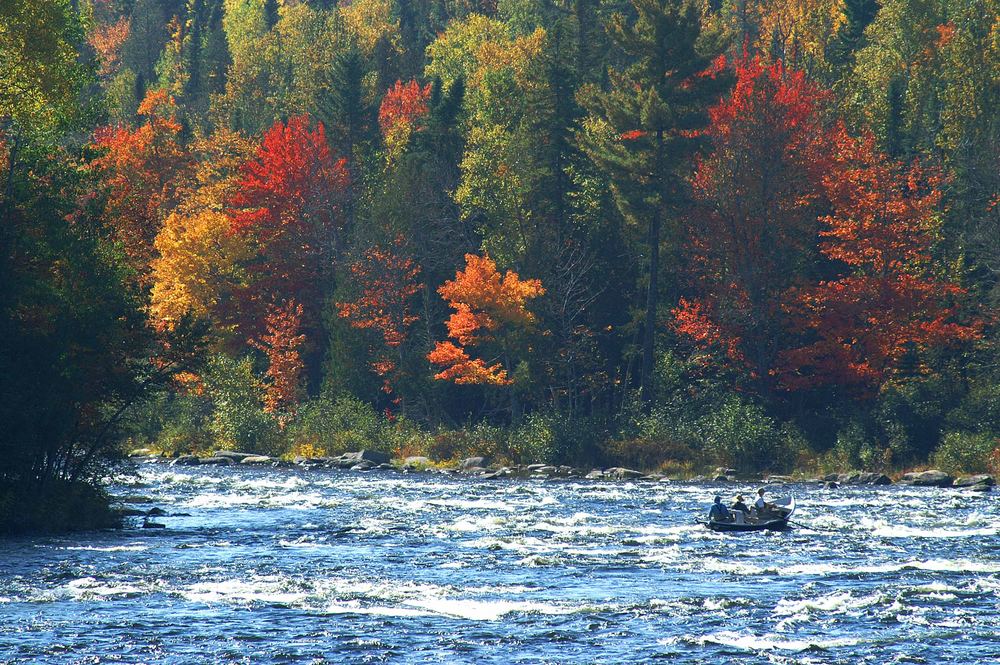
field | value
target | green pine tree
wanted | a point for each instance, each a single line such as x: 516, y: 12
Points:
x: 641, y: 130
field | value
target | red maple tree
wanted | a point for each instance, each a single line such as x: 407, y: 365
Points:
x: 752, y: 229
x: 139, y: 168
x: 288, y: 203
x: 402, y: 111
x: 889, y: 301
x: 387, y: 281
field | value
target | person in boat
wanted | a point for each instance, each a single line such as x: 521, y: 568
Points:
x: 762, y: 507
x: 739, y: 505
x: 718, y: 512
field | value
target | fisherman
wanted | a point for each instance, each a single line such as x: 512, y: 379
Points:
x: 739, y: 505
x: 762, y: 506
x: 718, y: 512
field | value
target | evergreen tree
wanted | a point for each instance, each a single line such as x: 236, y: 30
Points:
x: 271, y: 13
x: 643, y: 131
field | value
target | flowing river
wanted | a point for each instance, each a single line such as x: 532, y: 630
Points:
x: 292, y: 566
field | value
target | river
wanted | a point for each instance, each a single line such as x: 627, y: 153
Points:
x: 293, y: 566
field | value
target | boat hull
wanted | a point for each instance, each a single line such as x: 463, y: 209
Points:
x: 770, y: 525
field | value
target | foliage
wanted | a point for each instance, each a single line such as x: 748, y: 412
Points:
x: 889, y: 303
x: 280, y: 343
x: 962, y: 452
x: 488, y: 309
x: 287, y: 205
x: 767, y: 231
x: 757, y: 197
x: 239, y: 421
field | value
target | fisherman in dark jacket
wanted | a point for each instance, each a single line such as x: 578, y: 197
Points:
x: 718, y: 512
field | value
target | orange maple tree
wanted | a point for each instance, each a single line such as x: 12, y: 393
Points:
x: 888, y: 301
x: 401, y: 112
x: 139, y: 168
x: 752, y: 229
x: 281, y: 343
x: 287, y: 203
x: 488, y: 309
x: 387, y: 281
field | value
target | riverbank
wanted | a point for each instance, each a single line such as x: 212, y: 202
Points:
x: 56, y: 506
x: 484, y: 469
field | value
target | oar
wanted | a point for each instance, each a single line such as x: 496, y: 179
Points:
x: 814, y: 528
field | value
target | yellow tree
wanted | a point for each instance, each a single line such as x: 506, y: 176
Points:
x: 198, y: 259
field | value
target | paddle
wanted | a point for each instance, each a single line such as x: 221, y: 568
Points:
x: 814, y: 528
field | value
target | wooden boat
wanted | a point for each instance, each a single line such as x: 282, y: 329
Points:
x: 774, y: 521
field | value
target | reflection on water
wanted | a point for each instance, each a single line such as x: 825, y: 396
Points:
x: 277, y: 566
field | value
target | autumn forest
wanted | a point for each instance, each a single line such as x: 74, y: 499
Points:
x: 664, y: 234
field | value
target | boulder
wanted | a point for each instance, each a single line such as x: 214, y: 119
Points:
x: 235, y: 456
x: 363, y: 465
x: 257, y: 459
x: 972, y: 481
x: 979, y: 488
x: 721, y: 479
x: 473, y: 462
x: 723, y: 471
x: 619, y: 473
x: 186, y: 460
x: 373, y: 456
x: 596, y: 474
x: 932, y: 478
x: 217, y: 461
x: 141, y: 452
x: 547, y: 470
x: 831, y: 485
x: 875, y: 479
x: 831, y: 478
x: 475, y: 470
x: 534, y: 467
x: 155, y: 512
x: 417, y: 462
x: 698, y: 479
x: 775, y: 480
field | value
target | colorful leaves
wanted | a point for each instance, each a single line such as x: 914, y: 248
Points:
x: 889, y: 302
x: 386, y: 282
x: 487, y: 307
x: 280, y: 343
x: 403, y: 108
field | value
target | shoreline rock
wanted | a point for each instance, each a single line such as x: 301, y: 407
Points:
x: 481, y: 467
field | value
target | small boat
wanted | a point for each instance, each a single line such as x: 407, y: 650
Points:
x: 777, y: 520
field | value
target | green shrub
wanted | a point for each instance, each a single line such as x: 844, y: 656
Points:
x: 855, y: 449
x: 186, y: 426
x: 238, y: 419
x: 741, y: 435
x: 964, y: 452
x: 334, y: 426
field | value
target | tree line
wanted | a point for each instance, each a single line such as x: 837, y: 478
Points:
x: 663, y: 232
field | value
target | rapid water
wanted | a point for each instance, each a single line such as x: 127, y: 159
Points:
x: 283, y: 566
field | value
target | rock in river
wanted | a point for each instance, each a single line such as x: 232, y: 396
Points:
x: 186, y: 460
x: 932, y: 478
x: 473, y: 462
x: 984, y: 479
x: 374, y: 457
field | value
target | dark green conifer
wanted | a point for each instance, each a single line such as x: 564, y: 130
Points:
x: 650, y: 115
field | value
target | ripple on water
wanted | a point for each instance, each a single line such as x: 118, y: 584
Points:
x: 278, y: 565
